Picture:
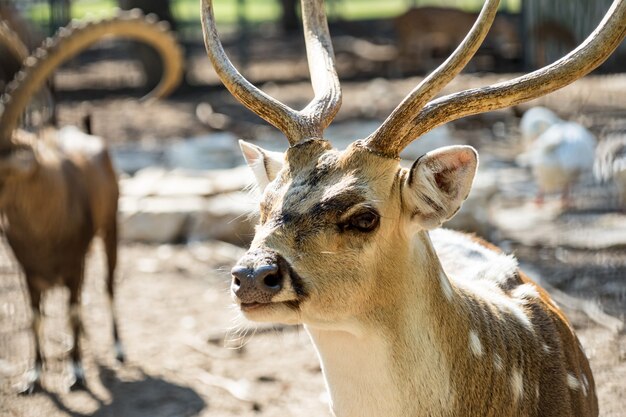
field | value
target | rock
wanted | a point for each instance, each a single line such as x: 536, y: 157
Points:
x: 228, y: 217
x: 214, y: 151
x: 160, y: 182
x: 130, y: 159
x: 156, y: 219
x: 144, y: 183
x: 168, y: 219
x: 548, y: 226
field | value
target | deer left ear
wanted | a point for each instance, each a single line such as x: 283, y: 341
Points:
x: 264, y: 164
x: 438, y: 183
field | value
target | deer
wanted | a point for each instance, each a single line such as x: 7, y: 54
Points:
x: 427, y: 33
x: 58, y: 188
x: 407, y: 318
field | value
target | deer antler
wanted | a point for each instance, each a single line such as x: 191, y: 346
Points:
x: 387, y: 139
x: 72, y: 40
x: 407, y: 122
x: 296, y: 125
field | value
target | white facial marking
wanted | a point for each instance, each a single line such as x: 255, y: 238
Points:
x: 474, y: 341
x: 572, y: 381
x: 445, y: 286
x: 517, y: 385
x: 525, y: 292
x: 497, y: 362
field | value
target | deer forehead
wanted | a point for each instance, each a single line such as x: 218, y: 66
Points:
x: 329, y: 182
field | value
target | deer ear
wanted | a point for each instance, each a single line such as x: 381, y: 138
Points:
x: 264, y: 164
x: 438, y: 183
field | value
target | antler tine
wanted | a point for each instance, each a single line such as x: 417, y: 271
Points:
x: 296, y: 125
x: 389, y: 138
x: 278, y: 114
x: 578, y: 63
x: 320, y: 56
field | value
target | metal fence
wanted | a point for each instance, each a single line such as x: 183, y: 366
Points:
x: 553, y: 28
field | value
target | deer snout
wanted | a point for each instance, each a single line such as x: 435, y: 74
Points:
x: 256, y: 284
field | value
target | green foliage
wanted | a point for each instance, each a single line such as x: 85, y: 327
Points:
x: 267, y: 10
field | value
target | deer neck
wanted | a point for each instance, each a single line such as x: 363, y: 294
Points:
x: 393, y: 351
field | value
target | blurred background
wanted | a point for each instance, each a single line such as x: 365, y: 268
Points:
x: 185, y: 216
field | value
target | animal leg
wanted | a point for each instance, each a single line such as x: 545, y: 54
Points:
x: 77, y: 328
x: 110, y: 243
x: 33, y: 383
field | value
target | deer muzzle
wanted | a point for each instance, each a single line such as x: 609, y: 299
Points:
x: 262, y: 277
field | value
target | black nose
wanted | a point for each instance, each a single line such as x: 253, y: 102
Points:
x: 256, y: 284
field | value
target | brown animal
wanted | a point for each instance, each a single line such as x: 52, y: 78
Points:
x: 551, y: 34
x: 408, y: 320
x: 426, y: 35
x: 59, y: 190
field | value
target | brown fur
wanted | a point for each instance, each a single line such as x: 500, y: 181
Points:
x: 53, y: 211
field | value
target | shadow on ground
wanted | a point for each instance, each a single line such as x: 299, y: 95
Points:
x: 147, y: 396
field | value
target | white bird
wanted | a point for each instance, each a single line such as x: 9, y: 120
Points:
x: 558, y: 152
x: 611, y: 162
x: 535, y: 121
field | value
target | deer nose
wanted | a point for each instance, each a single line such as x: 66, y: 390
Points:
x: 256, y: 284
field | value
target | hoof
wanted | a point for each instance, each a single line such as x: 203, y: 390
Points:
x: 33, y: 382
x: 79, y: 377
x: 32, y: 388
x: 79, y: 384
x: 120, y: 357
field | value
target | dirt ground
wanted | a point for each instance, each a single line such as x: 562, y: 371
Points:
x: 173, y: 303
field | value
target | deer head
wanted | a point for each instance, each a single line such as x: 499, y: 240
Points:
x: 340, y: 229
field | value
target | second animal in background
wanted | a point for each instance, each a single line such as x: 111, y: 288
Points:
x: 58, y: 189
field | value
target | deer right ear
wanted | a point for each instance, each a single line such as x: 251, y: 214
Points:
x: 264, y: 164
x: 438, y: 183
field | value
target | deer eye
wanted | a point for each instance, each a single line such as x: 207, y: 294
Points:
x: 365, y: 221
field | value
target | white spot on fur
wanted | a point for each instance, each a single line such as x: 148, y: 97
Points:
x: 537, y: 391
x: 572, y: 381
x: 525, y: 291
x: 517, y: 385
x: 474, y: 341
x: 545, y: 348
x: 445, y: 286
x: 497, y: 362
x: 585, y: 385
